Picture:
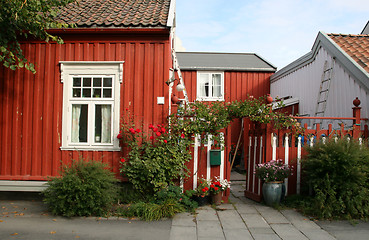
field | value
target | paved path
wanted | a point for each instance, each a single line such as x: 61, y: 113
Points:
x: 245, y: 219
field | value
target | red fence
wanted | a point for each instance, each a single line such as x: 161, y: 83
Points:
x: 263, y: 143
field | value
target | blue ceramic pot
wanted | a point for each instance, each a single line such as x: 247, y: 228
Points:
x: 272, y: 192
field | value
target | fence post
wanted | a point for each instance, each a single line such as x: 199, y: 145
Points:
x: 357, y: 115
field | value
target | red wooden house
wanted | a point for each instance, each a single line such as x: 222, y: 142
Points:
x: 118, y: 56
x: 222, y: 77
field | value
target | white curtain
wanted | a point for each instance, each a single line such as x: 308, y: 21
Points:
x: 217, y: 85
x: 76, y: 115
x: 204, y: 85
x: 106, y: 123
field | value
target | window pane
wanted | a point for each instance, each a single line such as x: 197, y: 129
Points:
x: 108, y: 82
x: 217, y: 80
x: 97, y: 82
x: 97, y: 93
x: 217, y: 91
x: 107, y: 93
x: 79, y: 123
x: 86, y: 93
x: 76, y: 92
x: 204, y: 85
x: 87, y: 82
x: 103, y: 124
x: 76, y: 82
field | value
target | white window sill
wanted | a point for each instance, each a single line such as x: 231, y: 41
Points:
x: 210, y: 99
x: 80, y: 148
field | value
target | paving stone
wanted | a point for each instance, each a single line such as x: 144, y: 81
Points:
x: 226, y: 206
x: 183, y: 233
x: 254, y: 220
x: 274, y: 216
x: 237, y: 234
x: 206, y: 229
x: 230, y: 219
x: 206, y: 214
x: 262, y: 230
x: 265, y: 236
x: 184, y: 219
x: 299, y: 221
x: 288, y: 231
x: 318, y: 234
x: 245, y: 208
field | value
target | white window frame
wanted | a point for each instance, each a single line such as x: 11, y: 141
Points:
x: 70, y: 69
x: 210, y: 98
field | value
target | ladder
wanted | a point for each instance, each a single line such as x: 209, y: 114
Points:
x: 177, y: 68
x: 324, y: 91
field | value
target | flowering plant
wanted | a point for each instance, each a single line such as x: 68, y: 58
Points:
x: 218, y: 185
x: 202, y: 189
x: 155, y: 158
x: 272, y: 171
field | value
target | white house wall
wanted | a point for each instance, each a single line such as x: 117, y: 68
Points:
x: 304, y: 84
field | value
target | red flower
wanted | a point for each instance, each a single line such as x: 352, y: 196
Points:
x: 216, y: 188
x: 182, y: 135
x: 132, y: 130
x: 138, y: 130
x: 151, y: 126
x: 122, y: 160
x: 163, y: 130
x: 204, y: 190
x: 158, y: 134
x: 152, y: 137
x: 212, y: 186
x: 155, y: 129
x: 217, y: 183
x: 119, y: 136
x: 165, y: 141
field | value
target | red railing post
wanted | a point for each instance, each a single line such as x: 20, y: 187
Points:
x: 357, y: 115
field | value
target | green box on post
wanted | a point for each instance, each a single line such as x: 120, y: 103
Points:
x: 215, y: 157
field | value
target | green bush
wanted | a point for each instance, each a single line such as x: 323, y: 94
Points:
x: 151, y: 211
x: 84, y: 189
x: 175, y: 193
x: 338, y: 175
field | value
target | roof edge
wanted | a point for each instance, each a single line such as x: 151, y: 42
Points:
x: 227, y: 69
x: 171, y: 14
x: 323, y: 40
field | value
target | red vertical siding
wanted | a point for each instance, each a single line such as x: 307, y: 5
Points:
x: 31, y: 105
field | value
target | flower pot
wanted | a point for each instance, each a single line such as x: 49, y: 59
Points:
x: 217, y: 198
x: 272, y: 192
x: 201, y: 201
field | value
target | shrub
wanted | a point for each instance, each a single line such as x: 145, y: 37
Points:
x: 338, y: 174
x: 175, y: 193
x: 85, y: 188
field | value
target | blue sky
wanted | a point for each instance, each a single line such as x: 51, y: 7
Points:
x: 280, y: 31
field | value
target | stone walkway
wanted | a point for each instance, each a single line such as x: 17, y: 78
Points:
x: 245, y: 219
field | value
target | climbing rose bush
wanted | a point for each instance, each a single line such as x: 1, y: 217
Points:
x: 156, y: 159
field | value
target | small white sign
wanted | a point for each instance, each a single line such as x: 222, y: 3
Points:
x: 160, y: 100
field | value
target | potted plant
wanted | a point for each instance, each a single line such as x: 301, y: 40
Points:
x: 217, y: 187
x: 272, y: 174
x: 201, y: 193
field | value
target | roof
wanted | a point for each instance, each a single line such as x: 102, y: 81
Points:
x: 210, y: 61
x: 356, y: 46
x: 117, y: 13
x: 352, y: 51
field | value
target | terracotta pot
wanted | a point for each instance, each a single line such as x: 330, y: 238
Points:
x: 217, y: 198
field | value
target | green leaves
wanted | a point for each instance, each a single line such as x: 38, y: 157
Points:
x: 26, y: 18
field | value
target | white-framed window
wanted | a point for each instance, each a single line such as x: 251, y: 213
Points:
x: 210, y: 86
x: 91, y: 94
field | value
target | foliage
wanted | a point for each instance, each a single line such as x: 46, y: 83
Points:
x: 151, y: 211
x: 338, y: 174
x: 24, y: 19
x: 85, y: 188
x: 218, y: 185
x: 128, y: 194
x: 207, y: 119
x: 154, y: 162
x: 202, y: 189
x: 175, y: 192
x: 274, y: 170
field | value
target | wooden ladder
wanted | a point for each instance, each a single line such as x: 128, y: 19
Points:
x: 324, y: 91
